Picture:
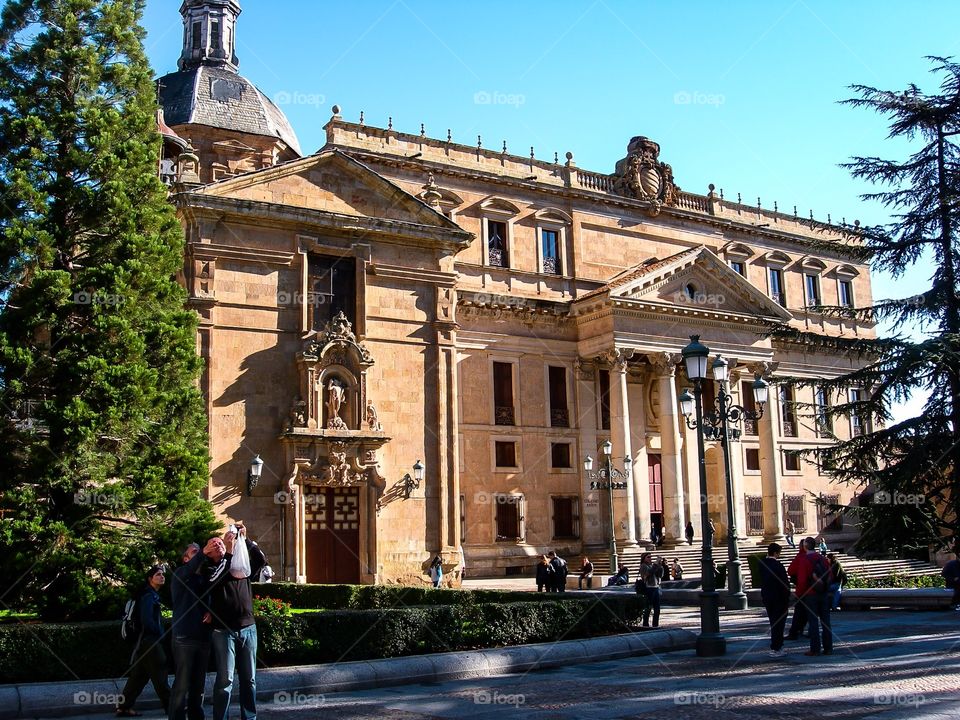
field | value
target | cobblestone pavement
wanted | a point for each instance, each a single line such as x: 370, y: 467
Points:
x: 886, y: 665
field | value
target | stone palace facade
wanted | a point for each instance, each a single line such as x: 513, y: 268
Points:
x: 396, y: 298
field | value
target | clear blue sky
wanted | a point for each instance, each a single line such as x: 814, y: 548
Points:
x: 740, y: 94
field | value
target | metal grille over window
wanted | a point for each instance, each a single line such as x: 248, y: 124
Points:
x: 830, y: 521
x: 509, y: 517
x: 496, y: 244
x: 754, y: 505
x: 503, y: 394
x: 551, y: 259
x: 793, y: 511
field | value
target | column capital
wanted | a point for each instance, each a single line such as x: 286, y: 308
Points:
x: 584, y: 369
x: 665, y: 363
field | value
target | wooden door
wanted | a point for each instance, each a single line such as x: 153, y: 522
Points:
x: 332, y: 519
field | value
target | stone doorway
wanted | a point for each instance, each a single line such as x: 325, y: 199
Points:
x: 332, y: 534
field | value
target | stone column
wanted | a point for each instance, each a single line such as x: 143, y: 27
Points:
x: 620, y: 436
x: 771, y: 478
x: 671, y: 468
x: 586, y: 419
x: 641, y: 466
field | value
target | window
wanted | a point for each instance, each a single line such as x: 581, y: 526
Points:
x: 793, y: 510
x: 845, y: 289
x: 811, y: 284
x: 752, y: 459
x: 497, y: 255
x: 754, y: 508
x: 503, y: 394
x: 750, y: 405
x: 830, y: 520
x: 604, y: 400
x: 788, y: 417
x: 560, y: 455
x: 196, y: 36
x: 739, y: 267
x: 858, y: 423
x: 777, y: 293
x: 509, y: 518
x: 791, y: 460
x: 216, y: 40
x: 566, y: 517
x: 332, y: 289
x: 550, y: 245
x: 821, y: 405
x: 559, y: 410
x: 505, y: 453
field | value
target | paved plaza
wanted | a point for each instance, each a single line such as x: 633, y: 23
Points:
x: 887, y: 664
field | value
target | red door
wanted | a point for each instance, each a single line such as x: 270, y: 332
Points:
x: 332, y: 519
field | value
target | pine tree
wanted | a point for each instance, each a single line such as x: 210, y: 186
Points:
x: 102, y: 427
x: 910, y: 466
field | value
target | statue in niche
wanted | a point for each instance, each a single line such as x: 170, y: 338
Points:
x: 336, y: 395
x: 373, y: 422
x: 298, y: 413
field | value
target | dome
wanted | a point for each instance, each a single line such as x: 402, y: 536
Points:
x: 222, y: 98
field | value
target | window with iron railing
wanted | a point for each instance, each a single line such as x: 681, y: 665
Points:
x: 750, y: 405
x: 550, y: 244
x: 497, y: 251
x: 777, y: 292
x: 566, y: 517
x: 604, y: 399
x: 754, y: 509
x: 559, y: 409
x: 509, y: 517
x: 793, y: 510
x: 503, y: 394
x: 788, y: 416
x: 830, y: 521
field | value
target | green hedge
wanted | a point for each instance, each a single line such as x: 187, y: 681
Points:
x: 35, y: 652
x: 372, y: 597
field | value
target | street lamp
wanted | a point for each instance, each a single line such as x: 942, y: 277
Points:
x: 609, y: 481
x: 715, y: 424
x: 253, y: 473
x: 412, y: 483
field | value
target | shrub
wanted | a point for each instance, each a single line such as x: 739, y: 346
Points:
x: 895, y: 580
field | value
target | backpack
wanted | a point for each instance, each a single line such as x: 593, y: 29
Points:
x: 130, y: 627
x: 820, y: 576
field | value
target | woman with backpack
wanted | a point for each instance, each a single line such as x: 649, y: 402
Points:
x: 148, y: 661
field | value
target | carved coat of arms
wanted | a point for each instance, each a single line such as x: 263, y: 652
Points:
x: 641, y: 174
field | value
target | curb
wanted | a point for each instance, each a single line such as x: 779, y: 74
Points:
x: 282, y: 685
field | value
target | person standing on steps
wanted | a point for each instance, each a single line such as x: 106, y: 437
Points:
x: 689, y: 533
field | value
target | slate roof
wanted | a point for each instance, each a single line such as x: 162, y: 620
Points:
x: 222, y: 98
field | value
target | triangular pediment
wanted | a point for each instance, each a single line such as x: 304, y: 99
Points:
x: 331, y: 182
x: 694, y: 279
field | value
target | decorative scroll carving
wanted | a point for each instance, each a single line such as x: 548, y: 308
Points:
x: 641, y: 175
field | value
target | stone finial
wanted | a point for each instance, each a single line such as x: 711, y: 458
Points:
x: 431, y: 193
x: 504, y: 151
x: 449, y: 135
x: 361, y: 117
x: 390, y: 122
x: 423, y: 130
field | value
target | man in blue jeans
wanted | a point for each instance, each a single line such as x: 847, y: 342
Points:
x: 815, y: 602
x: 191, y: 637
x: 234, y: 630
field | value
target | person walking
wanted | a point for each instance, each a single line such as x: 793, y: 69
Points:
x: 148, y: 662
x: 789, y: 530
x: 586, y: 573
x: 234, y: 628
x: 651, y: 572
x: 436, y: 571
x: 775, y: 594
x: 689, y: 533
x: 559, y: 572
x: 191, y: 637
x: 544, y: 574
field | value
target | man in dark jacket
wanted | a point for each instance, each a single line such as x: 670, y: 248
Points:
x: 775, y: 593
x: 191, y: 637
x: 559, y: 572
x: 234, y: 630
x: 149, y: 662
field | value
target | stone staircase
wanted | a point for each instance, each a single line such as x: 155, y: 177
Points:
x: 690, y: 557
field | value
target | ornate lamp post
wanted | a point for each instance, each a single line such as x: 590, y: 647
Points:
x: 715, y: 425
x: 610, y: 479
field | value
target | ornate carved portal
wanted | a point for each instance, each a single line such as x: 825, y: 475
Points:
x: 333, y: 439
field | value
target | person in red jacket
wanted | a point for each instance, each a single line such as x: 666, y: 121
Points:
x: 799, y: 621
x: 814, y: 600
